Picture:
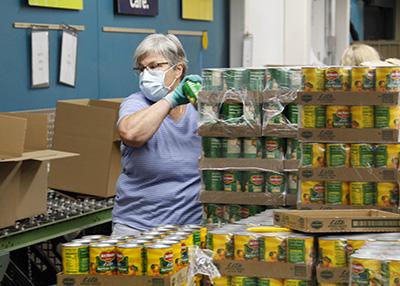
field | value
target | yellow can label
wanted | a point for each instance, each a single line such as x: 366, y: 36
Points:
x: 312, y: 192
x: 362, y: 117
x: 313, y: 155
x: 362, y: 193
x: 387, y: 117
x: 362, y: 79
x: 388, y: 79
x: 387, y: 156
x: 336, y: 78
x: 221, y: 245
x: 246, y: 247
x: 159, y: 261
x: 354, y: 245
x: 338, y: 116
x: 129, y: 261
x: 273, y: 248
x: 177, y: 252
x: 387, y: 194
x: 292, y: 282
x: 102, y: 260
x: 300, y: 250
x: 362, y: 156
x: 313, y: 116
x: 221, y: 281
x: 332, y: 253
x: 75, y: 260
x: 243, y: 281
x: 365, y: 271
x: 338, y: 155
x: 270, y: 282
x: 394, y: 273
x: 313, y: 78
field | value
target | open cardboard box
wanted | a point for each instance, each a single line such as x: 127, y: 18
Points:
x: 177, y: 279
x: 87, y: 127
x: 327, y: 221
x: 332, y: 275
x: 23, y: 165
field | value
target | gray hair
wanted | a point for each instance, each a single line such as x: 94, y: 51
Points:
x: 168, y: 46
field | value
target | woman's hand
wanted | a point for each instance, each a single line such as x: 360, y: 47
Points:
x: 177, y: 97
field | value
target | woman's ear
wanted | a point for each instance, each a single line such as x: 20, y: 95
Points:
x: 178, y: 71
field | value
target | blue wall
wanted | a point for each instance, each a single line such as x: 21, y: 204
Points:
x: 357, y: 17
x: 104, y: 59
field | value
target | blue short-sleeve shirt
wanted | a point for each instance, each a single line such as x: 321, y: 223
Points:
x: 160, y: 181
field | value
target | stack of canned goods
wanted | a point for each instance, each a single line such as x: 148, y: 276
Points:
x: 254, y: 281
x: 335, y: 155
x: 217, y: 213
x: 382, y: 195
x: 357, y: 79
x: 159, y: 252
x: 377, y: 263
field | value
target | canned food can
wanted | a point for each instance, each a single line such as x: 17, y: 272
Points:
x: 270, y: 282
x: 176, y: 246
x: 277, y: 78
x: 362, y: 116
x: 332, y: 252
x: 362, y: 156
x: 364, y: 271
x: 387, y: 79
x: 312, y: 192
x: 387, y: 117
x: 95, y: 237
x: 275, y: 182
x: 160, y: 260
x: 362, y: 193
x: 273, y: 148
x: 273, y: 113
x: 102, y: 259
x: 232, y: 113
x: 233, y: 213
x: 220, y: 281
x: 75, y: 258
x: 300, y: 249
x: 387, y: 156
x: 256, y: 79
x: 293, y: 282
x: 313, y: 116
x: 235, y: 78
x: 337, y: 193
x: 252, y: 114
x: 220, y: 242
x: 245, y: 246
x: 82, y: 241
x: 243, y: 281
x: 232, y: 181
x: 313, y: 78
x: 313, y: 155
x: 215, y: 213
x: 354, y: 243
x: 129, y: 259
x: 394, y: 272
x: 338, y: 116
x: 273, y: 248
x: 338, y: 155
x: 293, y: 149
x: 293, y: 113
x: 212, y: 79
x: 231, y: 147
x: 213, y: 180
x: 212, y: 147
x: 362, y: 79
x: 336, y: 78
x: 191, y: 91
x: 252, y: 148
x: 293, y: 184
x: 387, y: 194
x: 208, y: 113
x: 254, y: 181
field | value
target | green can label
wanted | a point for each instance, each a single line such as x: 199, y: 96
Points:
x: 337, y: 155
x: 232, y: 112
x: 243, y: 281
x: 232, y: 181
x: 232, y: 147
x: 191, y: 91
x: 362, y: 193
x: 382, y: 117
x: 212, y: 147
x: 362, y: 155
x: 334, y: 193
x: 296, y: 250
x: 213, y: 180
x: 254, y: 182
x: 275, y: 182
x: 293, y: 150
x: 252, y: 148
x: 293, y: 113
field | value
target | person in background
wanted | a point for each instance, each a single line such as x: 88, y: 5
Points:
x: 160, y: 180
x: 357, y: 54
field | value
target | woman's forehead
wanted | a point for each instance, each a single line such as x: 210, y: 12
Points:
x: 151, y: 58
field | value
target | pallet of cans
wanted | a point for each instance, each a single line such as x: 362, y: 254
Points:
x: 237, y: 251
x: 162, y: 253
x: 377, y: 263
x: 334, y: 253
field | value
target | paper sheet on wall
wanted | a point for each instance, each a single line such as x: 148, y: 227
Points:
x: 40, y: 59
x: 68, y: 58
x: 198, y: 10
x: 62, y: 4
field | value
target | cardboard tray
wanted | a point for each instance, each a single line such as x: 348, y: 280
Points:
x: 348, y: 98
x: 301, y: 206
x: 242, y: 198
x: 280, y: 130
x: 177, y: 279
x: 218, y: 97
x: 349, y: 174
x: 226, y: 130
x: 331, y: 221
x: 264, y: 269
x: 333, y: 275
x: 349, y: 135
x: 248, y: 164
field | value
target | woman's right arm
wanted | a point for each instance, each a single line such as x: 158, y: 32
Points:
x: 137, y: 128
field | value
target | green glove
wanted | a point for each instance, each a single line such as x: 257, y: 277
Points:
x: 177, y: 97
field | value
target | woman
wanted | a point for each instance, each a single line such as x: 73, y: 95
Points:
x: 160, y: 181
x: 357, y: 54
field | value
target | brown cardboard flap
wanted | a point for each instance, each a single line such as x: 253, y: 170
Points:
x: 349, y: 135
x: 348, y: 98
x: 332, y: 275
x: 280, y: 130
x: 110, y: 104
x: 264, y: 269
x: 242, y: 163
x: 349, y: 174
x: 42, y: 155
x: 292, y: 165
x: 12, y: 134
x: 291, y: 200
x: 9, y: 188
x: 225, y: 130
x: 244, y: 198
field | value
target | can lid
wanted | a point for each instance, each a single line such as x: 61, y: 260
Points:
x: 84, y: 241
x: 101, y: 245
x: 95, y: 237
x: 73, y: 244
x: 129, y: 245
x: 157, y: 246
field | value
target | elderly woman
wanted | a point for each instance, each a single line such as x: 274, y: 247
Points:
x: 160, y: 181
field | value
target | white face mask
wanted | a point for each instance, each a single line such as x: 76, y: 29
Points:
x: 151, y: 83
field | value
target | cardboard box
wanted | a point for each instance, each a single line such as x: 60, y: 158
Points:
x: 327, y: 221
x: 23, y: 165
x: 348, y: 98
x: 87, y: 127
x: 264, y: 269
x: 229, y: 96
x: 221, y: 129
x: 349, y: 135
x: 280, y: 130
x: 241, y: 163
x: 302, y: 206
x: 242, y: 198
x: 177, y: 279
x: 331, y: 275
x: 291, y: 200
x: 349, y: 174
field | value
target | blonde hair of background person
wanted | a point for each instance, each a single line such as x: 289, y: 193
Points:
x: 357, y: 54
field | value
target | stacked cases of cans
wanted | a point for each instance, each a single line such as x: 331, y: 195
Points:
x: 377, y: 263
x: 269, y: 148
x: 159, y: 252
x: 254, y: 281
x: 335, y: 251
x: 219, y: 213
